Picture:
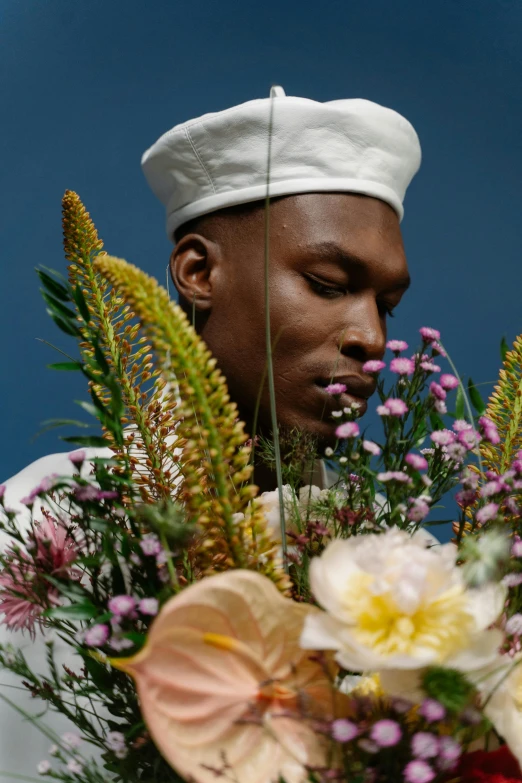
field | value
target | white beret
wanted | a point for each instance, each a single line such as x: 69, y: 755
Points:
x: 220, y: 159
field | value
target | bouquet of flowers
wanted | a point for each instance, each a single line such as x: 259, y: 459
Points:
x: 306, y: 634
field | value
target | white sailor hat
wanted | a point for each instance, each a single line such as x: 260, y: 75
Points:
x: 220, y: 159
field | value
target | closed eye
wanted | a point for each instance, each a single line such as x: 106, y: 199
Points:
x: 328, y: 291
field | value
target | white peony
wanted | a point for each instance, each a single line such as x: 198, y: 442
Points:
x: 295, y: 506
x: 392, y: 603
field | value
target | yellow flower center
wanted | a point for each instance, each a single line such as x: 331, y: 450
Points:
x: 441, y: 625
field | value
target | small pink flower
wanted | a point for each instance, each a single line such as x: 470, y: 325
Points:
x: 424, y: 745
x: 75, y: 767
x: 122, y: 605
x: 150, y: 544
x: 43, y: 767
x: 371, y: 447
x: 466, y: 497
x: 456, y: 452
x: 386, y: 733
x: 2, y: 491
x: 432, y: 710
x: 418, y: 771
x: 336, y: 388
x: 428, y: 334
x: 77, y: 457
x: 344, y: 730
x: 460, y: 425
x: 96, y: 636
x: 449, y: 748
x: 440, y: 407
x: 437, y: 348
x: 512, y: 580
x: 437, y: 391
x: 382, y: 410
x: 396, y: 406
x: 442, y: 437
x: 489, y: 430
x: 350, y: 429
x: 429, y: 366
x: 491, y: 488
x: 148, y: 606
x: 419, y: 509
x: 514, y: 625
x: 402, y: 366
x: 486, y: 513
x: 416, y: 461
x: 516, y: 549
x: 71, y: 740
x: 394, y: 475
x: 448, y: 381
x: 397, y: 345
x: 373, y: 365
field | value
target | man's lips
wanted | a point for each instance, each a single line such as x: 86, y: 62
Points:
x: 357, y: 391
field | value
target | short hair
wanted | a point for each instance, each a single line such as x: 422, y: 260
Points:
x: 212, y: 220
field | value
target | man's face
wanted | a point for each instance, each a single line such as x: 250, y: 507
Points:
x: 337, y: 270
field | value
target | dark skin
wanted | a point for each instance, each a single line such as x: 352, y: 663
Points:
x: 337, y: 271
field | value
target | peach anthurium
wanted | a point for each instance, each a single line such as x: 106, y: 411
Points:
x: 222, y: 680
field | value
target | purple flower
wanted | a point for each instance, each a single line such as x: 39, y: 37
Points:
x: 429, y: 366
x: 437, y: 391
x: 71, y: 740
x: 374, y: 365
x: 148, y: 606
x: 432, y: 710
x: 448, y: 381
x: 85, y: 493
x: 516, y: 549
x: 368, y: 746
x: 344, y: 730
x: 449, y: 749
x: 512, y: 580
x: 397, y: 345
x: 395, y: 406
x: 77, y: 457
x: 107, y: 494
x: 486, y: 513
x: 371, y: 447
x: 150, y: 544
x: 116, y: 742
x: 489, y: 430
x: 466, y: 497
x: 416, y: 461
x: 120, y: 644
x: 386, y: 733
x: 43, y: 767
x: 402, y: 366
x: 491, y: 488
x: 96, y: 636
x: 350, y: 429
x: 456, y: 452
x: 75, y: 767
x: 428, y: 334
x: 2, y: 491
x: 460, y: 425
x: 336, y: 388
x: 437, y: 348
x: 418, y: 771
x: 514, y: 625
x: 424, y: 745
x: 419, y: 509
x: 440, y: 407
x: 122, y: 605
x: 394, y: 475
x: 442, y: 437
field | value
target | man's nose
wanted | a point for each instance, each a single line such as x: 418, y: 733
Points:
x: 364, y: 333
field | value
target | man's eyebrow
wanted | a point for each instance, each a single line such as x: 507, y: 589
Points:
x: 333, y: 252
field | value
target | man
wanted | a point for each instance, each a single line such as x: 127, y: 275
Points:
x: 337, y: 268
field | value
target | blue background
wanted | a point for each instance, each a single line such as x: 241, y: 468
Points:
x: 87, y: 86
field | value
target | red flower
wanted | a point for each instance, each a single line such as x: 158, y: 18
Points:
x: 497, y: 766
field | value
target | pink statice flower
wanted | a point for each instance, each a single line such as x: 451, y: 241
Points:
x: 516, y: 549
x: 418, y: 771
x: 116, y: 743
x: 24, y: 591
x: 71, y: 740
x: 437, y: 391
x: 397, y: 345
x: 428, y: 366
x: 2, y: 491
x: 416, y: 461
x: 74, y: 766
x: 122, y: 605
x: 150, y: 544
x: 456, y: 452
x: 512, y: 580
x: 394, y: 475
x: 440, y: 407
x: 442, y: 437
x: 97, y: 635
x: 371, y: 447
x: 466, y: 497
x: 432, y: 710
x: 491, y: 488
x: 349, y: 429
x: 393, y: 407
x: 460, y: 425
x: 386, y: 733
x: 428, y: 334
x: 425, y: 745
x: 336, y: 388
x: 514, y: 625
x: 449, y: 751
x: 489, y: 430
x: 43, y: 767
x: 469, y: 439
x: 487, y: 513
x: 419, y: 508
x: 344, y: 730
x: 373, y: 365
x: 149, y: 606
x: 448, y: 381
x: 77, y: 457
x: 402, y: 366
x: 437, y: 348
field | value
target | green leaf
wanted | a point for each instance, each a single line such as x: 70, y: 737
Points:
x: 59, y: 308
x: 69, y: 590
x: 68, y: 366
x: 476, y: 400
x: 100, y: 358
x: 96, y: 441
x: 88, y: 407
x: 99, y: 674
x: 83, y: 611
x: 81, y: 304
x: 504, y: 348
x: 65, y: 326
x: 50, y: 424
x: 459, y: 403
x: 53, y: 286
x: 436, y: 421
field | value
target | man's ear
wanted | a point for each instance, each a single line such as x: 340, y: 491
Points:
x: 191, y: 265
